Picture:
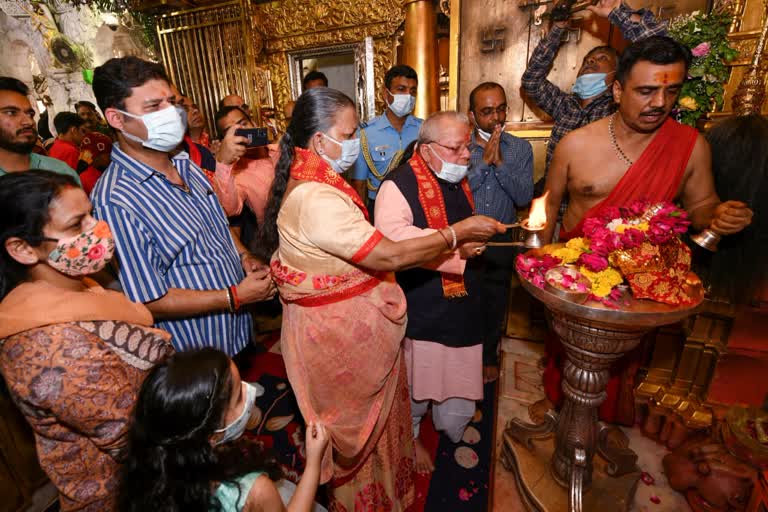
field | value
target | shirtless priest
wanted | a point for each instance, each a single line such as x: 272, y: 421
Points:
x: 637, y: 153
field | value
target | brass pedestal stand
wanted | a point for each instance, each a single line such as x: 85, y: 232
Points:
x: 552, y: 472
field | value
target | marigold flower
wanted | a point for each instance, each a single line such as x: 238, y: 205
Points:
x: 688, y: 103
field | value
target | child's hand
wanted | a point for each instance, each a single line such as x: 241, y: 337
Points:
x: 316, y: 441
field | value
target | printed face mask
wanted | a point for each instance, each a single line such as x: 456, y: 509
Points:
x: 350, y: 150
x: 402, y: 104
x: 165, y: 129
x: 590, y: 85
x: 452, y: 173
x: 235, y: 429
x: 84, y: 254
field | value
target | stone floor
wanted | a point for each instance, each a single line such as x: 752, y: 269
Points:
x: 520, y: 386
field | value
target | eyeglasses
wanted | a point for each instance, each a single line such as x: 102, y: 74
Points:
x: 457, y: 150
x: 488, y: 111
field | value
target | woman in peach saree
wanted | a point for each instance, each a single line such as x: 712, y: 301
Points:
x: 343, y: 313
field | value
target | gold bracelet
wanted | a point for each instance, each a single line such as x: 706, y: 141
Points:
x: 455, y: 241
x: 230, y: 301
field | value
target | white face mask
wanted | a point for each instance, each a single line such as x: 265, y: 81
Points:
x: 402, y: 104
x: 450, y: 172
x: 482, y: 133
x: 165, y: 129
x: 350, y: 150
x: 235, y: 429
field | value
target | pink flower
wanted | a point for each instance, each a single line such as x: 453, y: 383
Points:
x: 669, y: 222
x: 464, y: 494
x: 593, y: 262
x: 610, y: 213
x: 96, y: 252
x: 701, y: 50
x: 604, y: 241
x: 636, y: 208
x: 591, y: 225
x: 632, y: 238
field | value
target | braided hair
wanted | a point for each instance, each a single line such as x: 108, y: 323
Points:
x: 315, y: 111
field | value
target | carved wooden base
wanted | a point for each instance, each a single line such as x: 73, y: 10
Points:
x: 540, y: 491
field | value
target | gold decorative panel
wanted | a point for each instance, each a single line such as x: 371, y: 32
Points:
x: 207, y: 56
x: 750, y: 23
x: 292, y: 25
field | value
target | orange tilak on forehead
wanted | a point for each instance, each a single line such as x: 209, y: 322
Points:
x: 667, y: 77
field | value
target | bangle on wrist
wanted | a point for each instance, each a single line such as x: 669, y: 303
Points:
x: 230, y: 301
x: 235, y: 299
x: 447, y: 243
x: 454, y: 242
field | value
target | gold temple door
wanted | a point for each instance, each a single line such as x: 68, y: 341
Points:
x: 207, y: 54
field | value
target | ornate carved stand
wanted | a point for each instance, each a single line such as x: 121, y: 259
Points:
x: 594, y: 337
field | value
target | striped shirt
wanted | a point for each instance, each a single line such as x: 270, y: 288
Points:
x: 167, y: 237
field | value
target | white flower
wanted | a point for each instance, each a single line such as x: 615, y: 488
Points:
x: 614, y: 224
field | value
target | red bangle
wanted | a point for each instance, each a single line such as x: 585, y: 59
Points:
x: 233, y: 289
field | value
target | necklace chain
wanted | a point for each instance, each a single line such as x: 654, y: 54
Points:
x: 615, y: 142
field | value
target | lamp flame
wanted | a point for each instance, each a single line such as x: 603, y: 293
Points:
x: 537, y: 218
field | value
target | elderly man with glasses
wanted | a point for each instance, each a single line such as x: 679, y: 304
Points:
x: 501, y: 178
x: 443, y: 345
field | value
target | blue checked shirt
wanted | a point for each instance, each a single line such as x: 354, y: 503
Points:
x: 167, y: 237
x: 383, y: 142
x: 499, y: 190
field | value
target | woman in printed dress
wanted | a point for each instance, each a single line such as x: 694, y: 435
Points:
x: 344, y: 315
x: 73, y: 354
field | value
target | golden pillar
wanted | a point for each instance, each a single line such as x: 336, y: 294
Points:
x: 420, y: 52
x: 749, y: 96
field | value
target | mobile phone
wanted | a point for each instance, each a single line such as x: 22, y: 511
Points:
x: 256, y: 136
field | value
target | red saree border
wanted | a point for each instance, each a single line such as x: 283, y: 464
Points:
x: 308, y: 166
x: 367, y: 247
x: 335, y: 295
x: 349, y: 285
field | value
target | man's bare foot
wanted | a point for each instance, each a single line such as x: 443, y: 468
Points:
x: 490, y: 374
x: 537, y: 410
x: 424, y: 464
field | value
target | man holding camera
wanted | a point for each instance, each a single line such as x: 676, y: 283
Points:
x: 245, y: 176
x: 590, y: 99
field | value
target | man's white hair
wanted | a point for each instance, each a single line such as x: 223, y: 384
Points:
x: 431, y: 128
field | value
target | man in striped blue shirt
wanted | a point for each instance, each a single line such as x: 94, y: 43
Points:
x: 501, y: 178
x: 175, y: 251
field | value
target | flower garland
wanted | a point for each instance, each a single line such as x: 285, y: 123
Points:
x: 706, y: 35
x: 611, y: 230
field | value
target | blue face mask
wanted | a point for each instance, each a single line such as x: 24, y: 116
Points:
x: 590, y: 85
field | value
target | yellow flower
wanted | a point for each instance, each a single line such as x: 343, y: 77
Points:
x: 603, y: 281
x: 582, y: 244
x: 643, y: 226
x: 688, y: 103
x: 566, y: 254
